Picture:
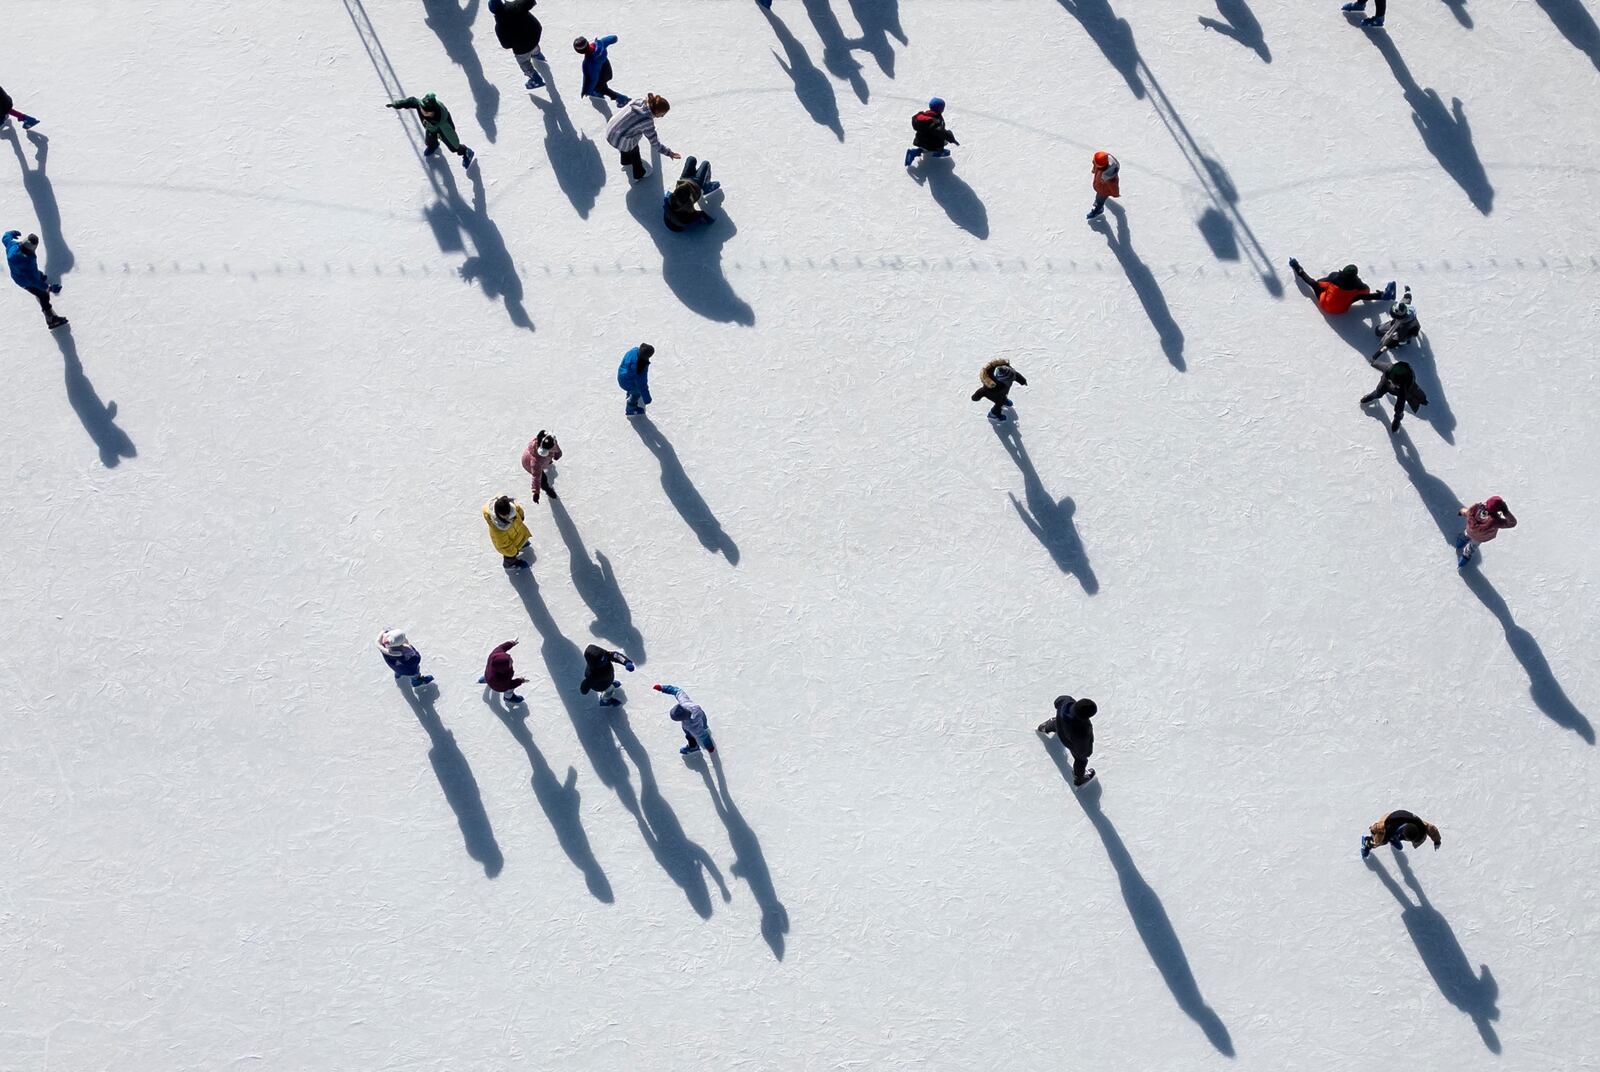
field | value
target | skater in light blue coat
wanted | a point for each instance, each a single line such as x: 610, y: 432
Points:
x: 693, y: 718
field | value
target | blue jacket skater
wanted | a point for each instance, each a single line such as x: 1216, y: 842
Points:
x: 633, y: 377
x: 23, y: 263
x: 594, y: 60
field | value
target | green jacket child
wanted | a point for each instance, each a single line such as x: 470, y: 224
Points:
x: 436, y: 125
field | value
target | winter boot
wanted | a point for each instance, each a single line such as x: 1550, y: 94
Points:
x: 622, y: 99
x: 1388, y: 288
x: 1355, y: 5
x: 612, y: 702
x: 998, y: 418
x: 431, y: 150
x: 512, y: 697
x: 533, y: 82
x: 1374, y: 21
x: 1366, y: 845
x: 421, y: 680
x: 711, y: 187
x: 54, y: 321
x: 1088, y: 776
x: 1095, y: 213
x: 688, y: 750
x: 29, y: 122
x: 1294, y: 265
x: 467, y: 157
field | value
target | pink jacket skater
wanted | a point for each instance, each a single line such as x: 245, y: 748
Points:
x: 1484, y: 522
x: 539, y: 455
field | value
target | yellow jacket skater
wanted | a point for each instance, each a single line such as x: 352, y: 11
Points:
x: 507, y: 529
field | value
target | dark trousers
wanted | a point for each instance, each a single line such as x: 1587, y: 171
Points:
x: 632, y: 159
x: 1080, y: 764
x: 431, y: 142
x: 44, y: 300
x: 698, y: 174
x: 602, y: 84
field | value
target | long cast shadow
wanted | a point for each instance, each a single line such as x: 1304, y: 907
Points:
x: 58, y: 256
x: 682, y: 493
x: 1473, y: 993
x: 1241, y: 25
x: 596, y: 583
x: 691, y: 261
x: 1144, y: 285
x: 560, y: 801
x: 1572, y: 18
x: 952, y: 193
x: 1148, y: 914
x: 750, y: 863
x: 99, y: 419
x: 452, y: 24
x: 879, y: 20
x: 1112, y: 35
x: 1419, y: 355
x: 836, y: 53
x: 1444, y: 131
x: 1444, y: 506
x: 455, y: 778
x: 579, y: 170
x: 1049, y: 521
x: 811, y: 86
x: 1458, y: 8
x: 455, y: 223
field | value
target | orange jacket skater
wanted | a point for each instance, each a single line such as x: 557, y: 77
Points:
x: 1107, y: 176
x: 1337, y: 291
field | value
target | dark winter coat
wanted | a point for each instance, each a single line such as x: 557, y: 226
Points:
x: 6, y: 103
x: 681, y: 208
x: 1076, y: 733
x: 515, y: 26
x: 408, y: 662
x: 930, y: 136
x: 1393, y: 334
x: 633, y: 375
x: 438, y: 124
x: 498, y: 673
x: 599, y: 671
x: 996, y: 378
x: 594, y: 61
x: 23, y: 263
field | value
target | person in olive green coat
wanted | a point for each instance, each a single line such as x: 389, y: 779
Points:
x: 508, y: 530
x: 436, y: 126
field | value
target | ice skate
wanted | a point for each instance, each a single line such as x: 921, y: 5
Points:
x: 1373, y: 21
x: 467, y: 157
x: 1366, y: 845
x: 1088, y: 776
x: 53, y: 322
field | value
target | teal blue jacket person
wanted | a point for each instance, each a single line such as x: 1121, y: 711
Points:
x: 24, y: 263
x: 633, y: 376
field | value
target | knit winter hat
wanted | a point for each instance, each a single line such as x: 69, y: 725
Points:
x: 580, y: 44
x: 1102, y: 158
x: 936, y: 104
x: 1494, y: 502
x: 646, y: 351
x: 1084, y: 708
x: 31, y: 243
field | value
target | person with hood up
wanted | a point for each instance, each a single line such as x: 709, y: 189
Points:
x: 22, y: 257
x: 636, y: 123
x: 1401, y: 327
x: 930, y: 135
x: 681, y: 209
x: 402, y: 657
x: 436, y: 126
x: 995, y: 381
x: 538, y: 456
x: 1107, y: 174
x: 600, y: 674
x: 597, y: 68
x: 500, y: 675
x: 1400, y: 381
x: 1071, y: 724
x: 1398, y: 827
x: 1484, y: 522
x: 518, y: 30
x: 1337, y: 291
x: 633, y: 376
x: 508, y: 530
x: 693, y: 717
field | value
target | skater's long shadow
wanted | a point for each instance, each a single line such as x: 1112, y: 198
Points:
x: 455, y: 222
x: 811, y: 86
x: 1049, y: 521
x: 1242, y: 26
x: 1444, y: 131
x: 879, y: 20
x: 455, y: 778
x: 1442, y: 955
x: 1572, y: 18
x: 691, y: 261
x: 685, y: 497
x: 99, y: 419
x: 575, y: 159
x: 959, y: 200
x: 1458, y: 8
x: 452, y: 23
x: 560, y: 801
x: 59, y: 259
x: 1144, y: 285
x: 1148, y: 914
x: 1111, y: 35
x: 1444, y: 506
x: 1419, y: 355
x: 836, y: 54
x: 750, y: 863
x: 596, y: 583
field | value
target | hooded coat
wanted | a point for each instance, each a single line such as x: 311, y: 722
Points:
x: 599, y: 668
x: 515, y: 26
x: 24, y: 263
x: 686, y: 711
x: 1076, y: 733
x: 996, y: 378
x: 509, y: 537
x: 536, y: 463
x: 440, y: 124
x: 633, y: 375
x: 499, y: 673
x: 594, y: 61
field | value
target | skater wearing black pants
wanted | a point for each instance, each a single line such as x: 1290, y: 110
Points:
x: 996, y: 379
x: 1071, y: 724
x: 516, y: 29
x: 1398, y: 380
x: 637, y: 123
x: 1376, y: 18
x: 600, y: 675
x: 1398, y: 827
x: 681, y: 209
x: 1337, y: 291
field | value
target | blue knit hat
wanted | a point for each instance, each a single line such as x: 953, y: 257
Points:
x: 936, y: 104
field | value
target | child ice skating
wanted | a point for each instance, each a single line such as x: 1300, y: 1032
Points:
x: 597, y: 67
x: 1484, y: 522
x: 600, y: 674
x: 633, y: 376
x: 517, y: 29
x: 682, y: 209
x: 402, y: 657
x: 508, y: 530
x: 22, y: 257
x: 693, y: 718
x: 996, y: 379
x: 636, y: 123
x: 1400, y: 381
x: 8, y: 110
x: 1398, y: 827
x: 500, y: 675
x: 1375, y: 19
x: 930, y: 135
x: 1337, y: 291
x: 1071, y: 724
x: 1401, y: 327
x: 538, y: 456
x: 1107, y: 176
x: 437, y: 126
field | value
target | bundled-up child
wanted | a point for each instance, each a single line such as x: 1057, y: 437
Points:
x: 929, y: 133
x: 538, y: 456
x: 600, y: 674
x: 402, y: 657
x: 633, y: 376
x: 501, y: 675
x: 1484, y: 522
x: 693, y: 719
x: 995, y: 380
x: 597, y: 67
x: 1107, y: 181
x: 508, y: 530
x: 436, y: 126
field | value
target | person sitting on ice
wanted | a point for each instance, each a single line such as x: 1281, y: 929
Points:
x: 682, y: 208
x: 1337, y: 291
x: 1398, y: 827
x: 931, y: 137
x: 1401, y: 327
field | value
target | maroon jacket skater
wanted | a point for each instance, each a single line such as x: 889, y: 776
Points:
x: 500, y: 675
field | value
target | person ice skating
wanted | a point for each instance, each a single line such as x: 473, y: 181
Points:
x: 1401, y: 382
x: 636, y: 123
x: 403, y: 657
x: 538, y: 456
x: 1398, y: 827
x: 996, y: 379
x: 1484, y: 522
x: 1337, y: 291
x: 8, y: 110
x: 600, y: 674
x: 518, y: 30
x: 695, y: 728
x: 681, y: 209
x: 1401, y: 327
x: 1376, y: 18
x: 1071, y: 724
x: 508, y: 530
x: 437, y: 126
x: 633, y: 376
x: 597, y: 68
x: 500, y: 675
x: 1107, y: 174
x: 22, y: 257
x: 930, y: 135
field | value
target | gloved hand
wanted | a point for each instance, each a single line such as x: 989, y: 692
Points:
x: 393, y: 104
x: 54, y: 288
x: 628, y: 665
